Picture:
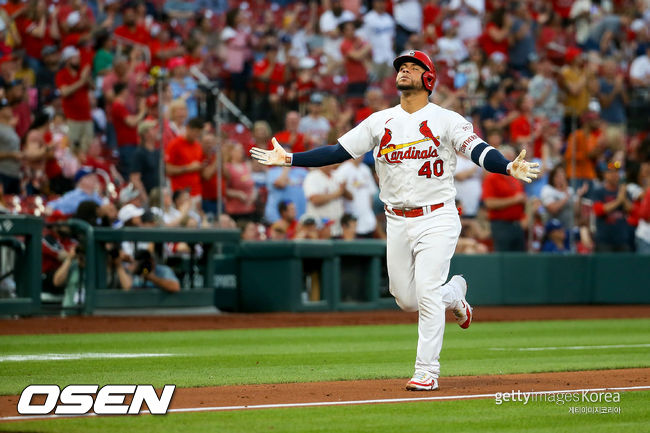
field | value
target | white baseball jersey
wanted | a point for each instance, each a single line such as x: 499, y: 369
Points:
x: 415, y: 154
x: 361, y: 184
x: 316, y: 182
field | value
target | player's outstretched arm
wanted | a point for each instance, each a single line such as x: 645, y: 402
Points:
x: 522, y: 169
x: 492, y: 160
x: 318, y: 157
x: 276, y: 156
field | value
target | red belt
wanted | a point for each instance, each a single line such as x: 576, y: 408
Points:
x: 414, y: 212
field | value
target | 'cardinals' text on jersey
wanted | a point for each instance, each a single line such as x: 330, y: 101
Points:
x: 415, y: 154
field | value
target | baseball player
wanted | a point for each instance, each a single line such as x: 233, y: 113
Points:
x: 414, y: 146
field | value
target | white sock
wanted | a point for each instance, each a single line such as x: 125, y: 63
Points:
x: 451, y: 294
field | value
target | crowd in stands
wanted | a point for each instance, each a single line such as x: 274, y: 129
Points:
x: 107, y: 113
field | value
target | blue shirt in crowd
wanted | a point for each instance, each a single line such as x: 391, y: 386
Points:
x: 521, y: 50
x: 68, y: 203
x: 161, y: 271
x: 292, y: 192
x: 550, y: 247
x: 188, y: 85
x: 614, y: 112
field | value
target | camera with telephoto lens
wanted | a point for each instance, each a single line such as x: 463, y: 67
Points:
x: 113, y: 251
x: 143, y: 263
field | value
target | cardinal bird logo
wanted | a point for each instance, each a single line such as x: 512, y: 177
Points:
x: 384, y: 141
x: 426, y: 131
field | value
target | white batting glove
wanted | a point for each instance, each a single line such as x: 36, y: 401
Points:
x: 277, y: 156
x: 522, y: 169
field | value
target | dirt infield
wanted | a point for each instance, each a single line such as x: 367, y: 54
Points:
x: 346, y: 391
x: 93, y: 324
x: 232, y: 397
x: 394, y: 388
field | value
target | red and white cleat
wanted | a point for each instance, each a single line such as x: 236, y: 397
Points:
x: 463, y: 311
x: 422, y: 381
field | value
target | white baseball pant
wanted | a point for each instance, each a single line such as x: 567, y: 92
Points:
x: 419, y: 252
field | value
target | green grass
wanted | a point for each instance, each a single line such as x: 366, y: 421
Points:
x: 207, y: 358
x: 457, y: 416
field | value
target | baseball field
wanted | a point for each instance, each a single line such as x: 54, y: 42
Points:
x: 343, y: 372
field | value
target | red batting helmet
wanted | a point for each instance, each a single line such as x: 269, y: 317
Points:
x: 429, y: 76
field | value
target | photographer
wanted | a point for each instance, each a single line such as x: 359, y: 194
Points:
x: 143, y: 272
x: 69, y: 276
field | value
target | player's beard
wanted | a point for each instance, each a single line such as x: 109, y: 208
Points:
x: 411, y: 85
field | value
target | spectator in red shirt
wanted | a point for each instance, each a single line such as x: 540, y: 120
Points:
x: 554, y: 39
x: 194, y: 54
x: 523, y: 129
x: 37, y: 28
x: 74, y: 84
x: 432, y: 16
x: 184, y: 159
x: 130, y: 30
x: 84, y: 22
x: 123, y: 71
x: 117, y: 74
x: 374, y: 102
x: 563, y: 9
x: 269, y: 77
x: 99, y: 159
x: 75, y: 27
x: 15, y: 94
x: 126, y: 127
x: 526, y: 132
x: 287, y: 210
x: 302, y: 83
x: 240, y: 188
x: 504, y: 198
x: 129, y: 69
x: 162, y: 47
x: 210, y: 196
x: 41, y: 170
x: 14, y: 8
x: 153, y: 114
x: 355, y: 52
x: 290, y: 138
x: 495, y: 36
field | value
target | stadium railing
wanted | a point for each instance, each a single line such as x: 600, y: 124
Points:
x: 202, y: 291
x: 20, y: 240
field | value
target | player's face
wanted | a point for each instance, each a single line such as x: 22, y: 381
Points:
x: 409, y: 76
